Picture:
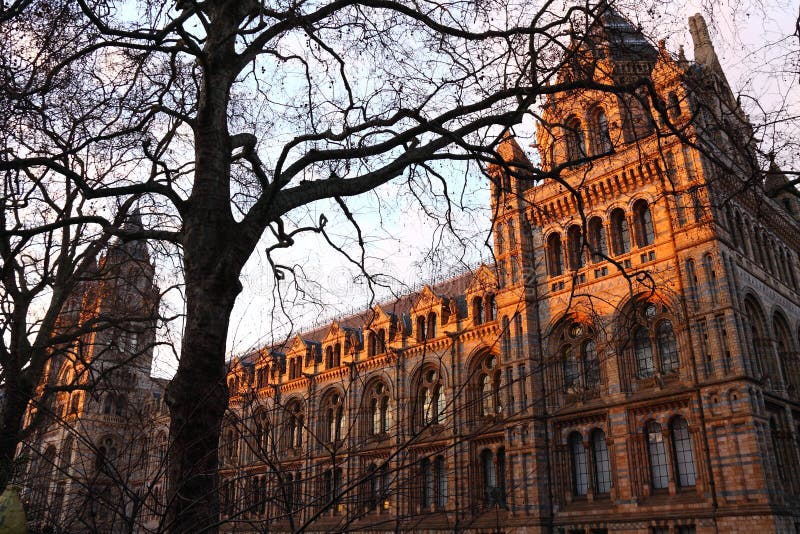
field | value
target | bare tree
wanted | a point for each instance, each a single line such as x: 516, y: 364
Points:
x: 227, y: 117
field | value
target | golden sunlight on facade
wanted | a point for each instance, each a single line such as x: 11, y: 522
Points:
x: 629, y: 364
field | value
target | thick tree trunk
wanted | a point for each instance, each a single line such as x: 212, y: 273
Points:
x: 198, y: 398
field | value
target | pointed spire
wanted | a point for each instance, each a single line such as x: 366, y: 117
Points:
x: 776, y: 179
x: 511, y: 152
x: 704, y: 52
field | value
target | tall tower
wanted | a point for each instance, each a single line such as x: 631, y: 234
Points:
x: 664, y: 311
x: 87, y: 458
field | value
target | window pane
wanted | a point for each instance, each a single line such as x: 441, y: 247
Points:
x: 571, y: 368
x: 602, y: 465
x: 659, y: 473
x: 684, y: 456
x: 592, y: 364
x: 580, y: 475
x: 644, y: 353
x: 667, y: 347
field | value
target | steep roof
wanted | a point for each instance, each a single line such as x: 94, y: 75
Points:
x: 616, y: 35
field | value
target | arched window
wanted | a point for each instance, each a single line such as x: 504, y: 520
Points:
x: 108, y: 403
x: 644, y: 353
x: 591, y: 365
x: 490, y: 307
x: 431, y: 400
x: 575, y: 244
x: 498, y: 239
x: 789, y: 358
x: 477, y: 310
x: 372, y: 344
x: 421, y: 328
x: 620, y: 236
x: 667, y: 347
x: 329, y: 357
x: 657, y: 452
x: 603, y: 137
x: 743, y: 242
x: 332, y: 417
x: 431, y: 331
x: 683, y: 452
x: 597, y: 239
x: 427, y: 484
x: 602, y: 463
x: 488, y: 386
x: 691, y: 276
x: 711, y: 278
x: 379, y: 418
x: 489, y: 473
x: 337, y: 355
x: 262, y: 433
x: 294, y: 425
x: 674, y: 106
x: 576, y: 142
x: 440, y: 482
x: 580, y: 471
x: 645, y: 235
x: 555, y: 256
x: 572, y: 369
x: 581, y: 367
x: 762, y: 357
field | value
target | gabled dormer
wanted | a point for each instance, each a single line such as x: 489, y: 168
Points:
x: 428, y: 313
x: 378, y: 330
x: 339, y: 344
x: 480, y: 296
x: 301, y: 356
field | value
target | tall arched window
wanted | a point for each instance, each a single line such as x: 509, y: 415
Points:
x: 597, y: 239
x: 332, y: 418
x: 490, y: 307
x: 440, y: 481
x: 684, y: 454
x: 644, y: 353
x: 576, y: 142
x: 329, y: 357
x: 294, y: 425
x: 603, y: 137
x: 337, y: 355
x: 657, y: 452
x: 489, y: 472
x: 426, y: 483
x: 379, y: 416
x: 477, y: 310
x: 431, y: 400
x: 421, y: 328
x: 488, y: 386
x: 602, y: 463
x: 645, y: 234
x: 575, y: 245
x: 372, y: 344
x: 581, y: 367
x: 555, y: 256
x: 691, y: 277
x: 262, y: 433
x: 431, y: 331
x: 667, y: 347
x: 620, y: 236
x: 711, y: 278
x: 580, y: 470
x: 499, y: 240
x: 787, y: 356
x: 674, y: 106
x: 762, y: 357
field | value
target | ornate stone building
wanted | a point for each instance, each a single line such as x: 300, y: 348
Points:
x: 89, y: 463
x: 631, y: 365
